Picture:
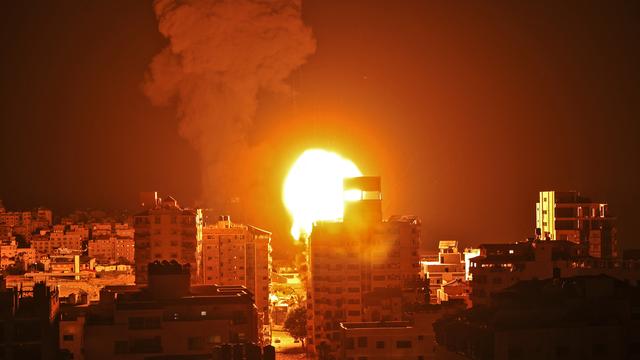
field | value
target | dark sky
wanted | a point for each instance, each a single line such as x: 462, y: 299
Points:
x: 465, y: 109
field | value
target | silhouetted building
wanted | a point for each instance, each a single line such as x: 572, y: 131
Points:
x: 586, y: 317
x: 502, y: 265
x: 29, y: 322
x: 167, y: 319
x: 361, y: 269
x: 236, y: 254
x: 165, y: 231
x: 572, y: 217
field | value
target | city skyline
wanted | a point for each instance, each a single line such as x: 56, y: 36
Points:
x: 476, y: 116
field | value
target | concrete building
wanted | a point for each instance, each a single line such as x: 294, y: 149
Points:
x: 29, y: 322
x: 585, y: 317
x: 167, y: 318
x: 447, y: 272
x: 165, y: 231
x: 361, y: 269
x: 573, y: 217
x: 502, y: 265
x: 16, y: 218
x: 108, y: 249
x: 49, y: 242
x: 236, y: 254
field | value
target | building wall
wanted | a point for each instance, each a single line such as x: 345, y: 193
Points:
x: 236, y: 254
x: 360, y: 274
x: 168, y: 232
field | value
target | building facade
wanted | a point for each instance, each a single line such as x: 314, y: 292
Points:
x: 108, y: 249
x: 502, y: 265
x: 570, y: 216
x: 584, y: 317
x: 29, y: 321
x: 360, y: 269
x: 236, y: 254
x: 165, y: 231
x: 169, y: 317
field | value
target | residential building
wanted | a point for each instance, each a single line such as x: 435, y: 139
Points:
x: 502, y: 265
x: 583, y: 317
x: 167, y: 318
x: 165, y: 231
x: 58, y: 239
x: 108, y: 249
x: 570, y: 216
x: 360, y: 269
x: 29, y: 322
x: 447, y: 273
x: 236, y: 254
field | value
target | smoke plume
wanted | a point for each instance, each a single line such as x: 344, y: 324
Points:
x: 221, y: 54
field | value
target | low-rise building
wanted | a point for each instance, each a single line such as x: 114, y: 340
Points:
x: 584, y: 317
x: 29, y: 322
x: 109, y: 249
x: 446, y: 272
x: 166, y: 318
x: 502, y: 265
x: 238, y: 254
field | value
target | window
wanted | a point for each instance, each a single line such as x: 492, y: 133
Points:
x: 379, y: 344
x: 121, y: 347
x: 215, y: 339
x: 362, y: 341
x: 349, y: 343
x: 515, y: 352
x: 203, y: 313
x: 196, y: 343
x: 562, y: 352
x: 140, y: 323
x: 403, y: 344
x: 600, y: 350
x: 146, y: 345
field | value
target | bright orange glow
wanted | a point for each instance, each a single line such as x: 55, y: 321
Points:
x: 313, y: 189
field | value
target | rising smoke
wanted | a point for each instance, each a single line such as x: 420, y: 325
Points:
x: 221, y: 55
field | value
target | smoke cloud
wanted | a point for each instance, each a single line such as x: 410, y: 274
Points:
x: 221, y: 55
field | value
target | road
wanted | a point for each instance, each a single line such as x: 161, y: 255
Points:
x: 286, y: 349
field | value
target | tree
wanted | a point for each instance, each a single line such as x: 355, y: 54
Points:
x: 296, y: 324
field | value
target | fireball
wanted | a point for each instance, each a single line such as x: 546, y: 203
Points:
x: 313, y: 189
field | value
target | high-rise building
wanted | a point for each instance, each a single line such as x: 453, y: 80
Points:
x: 569, y: 216
x: 361, y: 268
x: 165, y: 231
x: 236, y: 254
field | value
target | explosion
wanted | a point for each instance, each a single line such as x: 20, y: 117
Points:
x: 313, y: 189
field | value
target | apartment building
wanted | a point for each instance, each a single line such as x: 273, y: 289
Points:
x: 165, y: 231
x: 502, y: 265
x: 48, y: 242
x: 567, y: 215
x: 167, y: 318
x: 362, y: 268
x: 583, y: 317
x: 108, y: 249
x: 29, y: 320
x: 237, y: 254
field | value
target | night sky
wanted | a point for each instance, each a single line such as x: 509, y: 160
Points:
x: 466, y: 110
